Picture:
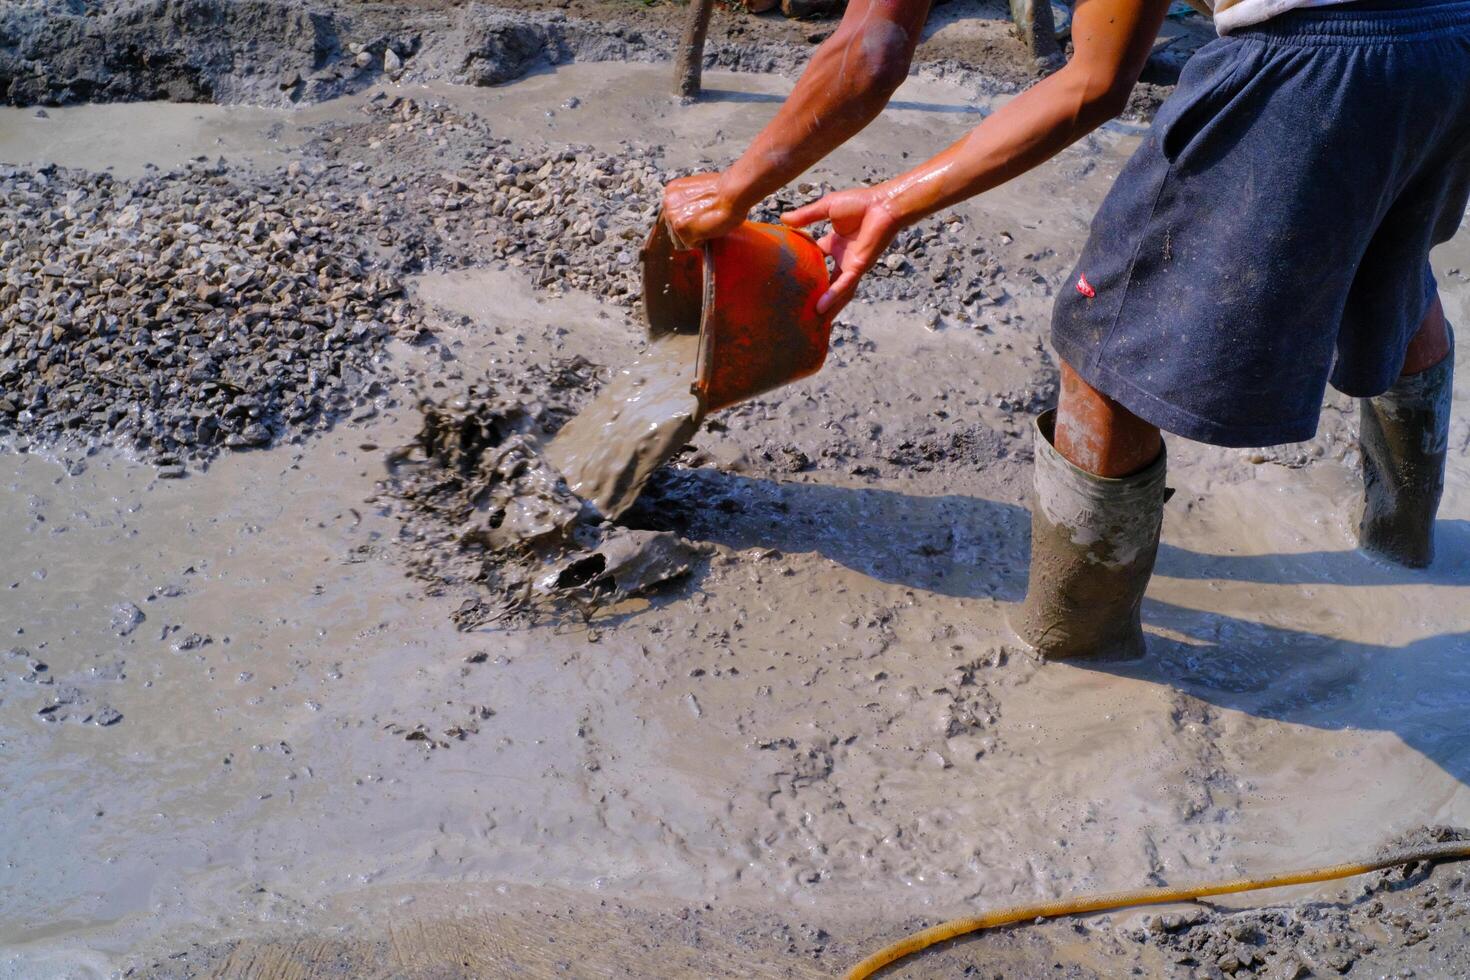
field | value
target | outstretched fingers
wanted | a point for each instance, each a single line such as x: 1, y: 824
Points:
x: 839, y: 293
x: 861, y: 229
x: 807, y: 214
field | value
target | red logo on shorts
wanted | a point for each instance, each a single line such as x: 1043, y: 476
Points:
x: 1084, y: 287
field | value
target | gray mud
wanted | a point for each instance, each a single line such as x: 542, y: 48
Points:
x: 284, y: 732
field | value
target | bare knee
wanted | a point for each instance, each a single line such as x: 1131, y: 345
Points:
x: 1097, y: 434
x: 1430, y: 343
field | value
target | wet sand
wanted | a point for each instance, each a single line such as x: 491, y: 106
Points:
x: 826, y: 730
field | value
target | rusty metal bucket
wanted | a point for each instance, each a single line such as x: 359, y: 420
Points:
x: 752, y: 296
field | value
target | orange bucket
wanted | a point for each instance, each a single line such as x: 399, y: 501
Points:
x: 752, y: 296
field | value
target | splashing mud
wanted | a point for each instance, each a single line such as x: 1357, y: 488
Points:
x: 487, y: 508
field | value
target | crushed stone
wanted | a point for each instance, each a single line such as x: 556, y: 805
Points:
x: 185, y: 312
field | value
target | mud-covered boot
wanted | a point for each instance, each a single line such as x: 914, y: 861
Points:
x: 1093, y: 543
x: 1404, y: 434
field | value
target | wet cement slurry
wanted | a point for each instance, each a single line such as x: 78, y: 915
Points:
x: 106, y: 137
x: 821, y: 738
x: 644, y: 414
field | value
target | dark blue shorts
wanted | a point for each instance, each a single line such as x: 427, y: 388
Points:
x: 1273, y: 231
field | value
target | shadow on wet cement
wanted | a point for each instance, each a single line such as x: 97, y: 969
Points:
x: 962, y: 546
x: 953, y: 545
x: 1419, y: 690
x: 971, y: 547
x: 1346, y: 567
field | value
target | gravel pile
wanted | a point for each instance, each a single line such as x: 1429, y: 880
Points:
x: 571, y: 216
x: 575, y: 218
x: 185, y: 312
x: 191, y: 311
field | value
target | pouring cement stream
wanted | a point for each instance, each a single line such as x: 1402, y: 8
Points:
x: 644, y: 415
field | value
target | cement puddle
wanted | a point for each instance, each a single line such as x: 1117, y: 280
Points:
x: 825, y: 725
x: 107, y: 137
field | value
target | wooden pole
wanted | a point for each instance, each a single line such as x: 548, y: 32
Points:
x: 1034, y: 23
x: 691, y: 49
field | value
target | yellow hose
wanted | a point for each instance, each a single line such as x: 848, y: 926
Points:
x: 1447, y: 851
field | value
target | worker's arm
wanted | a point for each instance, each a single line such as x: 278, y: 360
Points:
x: 848, y: 82
x: 1112, y: 41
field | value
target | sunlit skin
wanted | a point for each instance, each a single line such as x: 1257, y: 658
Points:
x: 1113, y: 39
x: 847, y: 83
x: 1099, y: 435
x: 1431, y: 344
x: 844, y: 88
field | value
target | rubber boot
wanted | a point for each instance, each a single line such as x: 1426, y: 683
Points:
x: 1093, y: 544
x: 1404, y: 434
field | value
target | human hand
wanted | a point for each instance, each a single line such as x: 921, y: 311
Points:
x: 863, y: 225
x: 699, y: 207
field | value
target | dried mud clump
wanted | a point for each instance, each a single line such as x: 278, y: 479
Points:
x: 482, y: 510
x: 184, y: 312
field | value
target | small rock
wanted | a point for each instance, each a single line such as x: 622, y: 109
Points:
x: 253, y: 435
x: 126, y: 617
x: 1291, y: 967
